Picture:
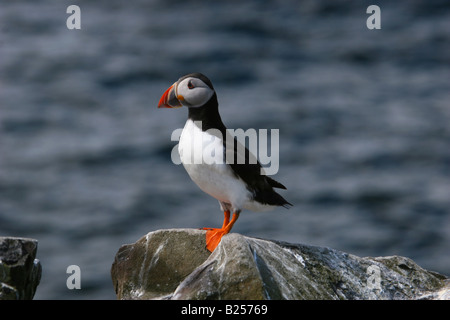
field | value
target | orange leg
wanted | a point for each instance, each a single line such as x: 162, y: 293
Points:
x: 213, y: 236
x: 226, y: 220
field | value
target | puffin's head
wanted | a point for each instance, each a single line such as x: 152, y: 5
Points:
x: 192, y: 90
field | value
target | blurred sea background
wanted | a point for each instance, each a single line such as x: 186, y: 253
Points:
x: 364, y: 120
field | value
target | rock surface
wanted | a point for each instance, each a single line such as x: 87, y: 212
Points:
x: 20, y: 271
x: 174, y: 264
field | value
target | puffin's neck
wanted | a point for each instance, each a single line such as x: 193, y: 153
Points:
x: 208, y: 114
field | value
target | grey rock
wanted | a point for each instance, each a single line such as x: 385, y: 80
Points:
x: 20, y: 271
x: 174, y: 264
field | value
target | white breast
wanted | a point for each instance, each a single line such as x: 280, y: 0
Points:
x: 202, y: 155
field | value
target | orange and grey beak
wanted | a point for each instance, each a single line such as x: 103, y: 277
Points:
x: 169, y: 99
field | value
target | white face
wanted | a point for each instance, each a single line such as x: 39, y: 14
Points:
x: 193, y: 92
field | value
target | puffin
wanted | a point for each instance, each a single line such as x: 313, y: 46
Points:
x: 235, y: 177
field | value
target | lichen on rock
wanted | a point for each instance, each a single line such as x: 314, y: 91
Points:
x: 174, y: 264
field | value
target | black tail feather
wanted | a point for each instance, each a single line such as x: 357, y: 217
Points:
x: 275, y: 184
x: 272, y: 198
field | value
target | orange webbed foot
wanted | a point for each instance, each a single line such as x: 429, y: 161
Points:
x: 214, y: 235
x: 213, y: 238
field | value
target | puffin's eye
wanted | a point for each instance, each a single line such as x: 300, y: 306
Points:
x: 190, y: 85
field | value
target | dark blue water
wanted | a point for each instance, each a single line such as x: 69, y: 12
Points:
x: 363, y: 117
